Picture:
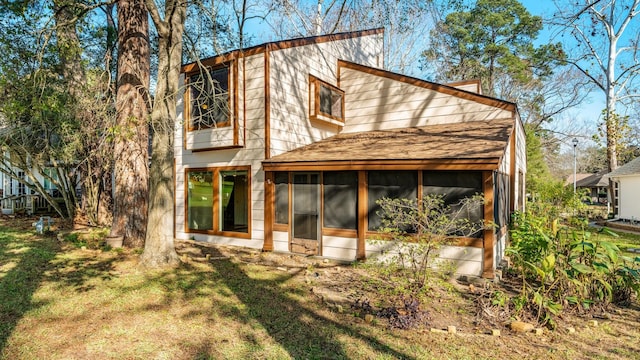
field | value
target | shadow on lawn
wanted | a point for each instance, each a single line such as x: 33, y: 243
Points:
x: 32, y: 258
x: 303, y: 333
x: 35, y: 262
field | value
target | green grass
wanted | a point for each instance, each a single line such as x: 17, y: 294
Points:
x: 624, y: 241
x: 59, y: 302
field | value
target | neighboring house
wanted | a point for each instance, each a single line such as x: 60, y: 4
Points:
x: 627, y: 190
x: 286, y: 147
x: 16, y: 196
x: 597, y: 184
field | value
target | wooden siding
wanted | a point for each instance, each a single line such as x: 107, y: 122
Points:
x: 339, y: 247
x: 374, y: 102
x: 465, y: 260
x: 629, y: 190
x: 289, y: 73
x: 471, y: 85
x: 250, y: 122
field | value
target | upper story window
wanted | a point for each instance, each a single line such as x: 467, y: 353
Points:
x: 209, y: 105
x: 326, y: 102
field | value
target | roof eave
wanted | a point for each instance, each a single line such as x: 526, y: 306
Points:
x: 485, y: 164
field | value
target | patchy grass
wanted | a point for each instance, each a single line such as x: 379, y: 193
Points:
x: 624, y: 241
x: 59, y: 301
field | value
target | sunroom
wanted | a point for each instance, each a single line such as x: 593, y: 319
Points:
x: 321, y: 199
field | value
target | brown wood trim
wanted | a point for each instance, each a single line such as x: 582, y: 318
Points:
x: 269, y: 192
x: 286, y: 44
x: 512, y: 171
x: 279, y: 45
x: 441, y: 164
x: 233, y: 234
x: 420, y: 191
x: 216, y: 201
x: 452, y: 241
x: 445, y: 89
x: 345, y: 233
x: 317, y: 82
x: 217, y: 148
x: 267, y: 105
x: 489, y: 234
x: 469, y: 242
x: 320, y: 122
x: 280, y: 227
x: 361, y: 252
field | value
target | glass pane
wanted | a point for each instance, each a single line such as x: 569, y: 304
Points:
x: 501, y: 202
x: 234, y: 198
x: 330, y: 101
x: 305, y: 206
x: 340, y: 199
x: 455, y: 186
x: 210, y: 99
x: 390, y: 184
x: 282, y: 197
x: 200, y: 200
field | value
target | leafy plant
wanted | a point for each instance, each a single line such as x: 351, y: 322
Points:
x: 569, y: 267
x: 413, y: 231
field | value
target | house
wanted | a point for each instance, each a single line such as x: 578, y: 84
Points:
x: 596, y: 183
x: 627, y: 190
x: 16, y: 196
x: 286, y: 147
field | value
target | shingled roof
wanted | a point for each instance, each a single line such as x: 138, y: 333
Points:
x: 477, y: 141
x: 630, y: 168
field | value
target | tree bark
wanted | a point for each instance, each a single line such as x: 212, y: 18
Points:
x: 131, y: 141
x: 159, y: 247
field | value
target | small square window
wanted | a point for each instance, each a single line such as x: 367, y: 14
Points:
x: 326, y: 102
x: 209, y: 99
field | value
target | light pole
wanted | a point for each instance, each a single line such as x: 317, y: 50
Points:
x: 575, y: 162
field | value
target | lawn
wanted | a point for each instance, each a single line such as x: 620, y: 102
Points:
x: 59, y: 300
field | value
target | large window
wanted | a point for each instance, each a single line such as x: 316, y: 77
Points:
x: 340, y: 199
x: 326, y: 102
x: 21, y: 187
x: 389, y: 184
x: 209, y: 99
x: 455, y: 186
x: 200, y: 200
x: 216, y: 194
x: 234, y: 198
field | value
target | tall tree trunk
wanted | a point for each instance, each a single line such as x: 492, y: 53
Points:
x: 159, y: 248
x: 66, y: 15
x: 131, y: 142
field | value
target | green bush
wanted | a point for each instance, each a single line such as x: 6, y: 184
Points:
x: 568, y: 267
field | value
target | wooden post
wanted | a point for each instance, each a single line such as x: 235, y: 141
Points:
x: 361, y: 252
x: 269, y: 201
x: 489, y: 232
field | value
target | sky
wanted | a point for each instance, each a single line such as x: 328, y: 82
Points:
x: 581, y: 123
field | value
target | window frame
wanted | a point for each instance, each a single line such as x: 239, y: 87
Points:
x: 189, y: 123
x: 315, y: 112
x: 217, y: 201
